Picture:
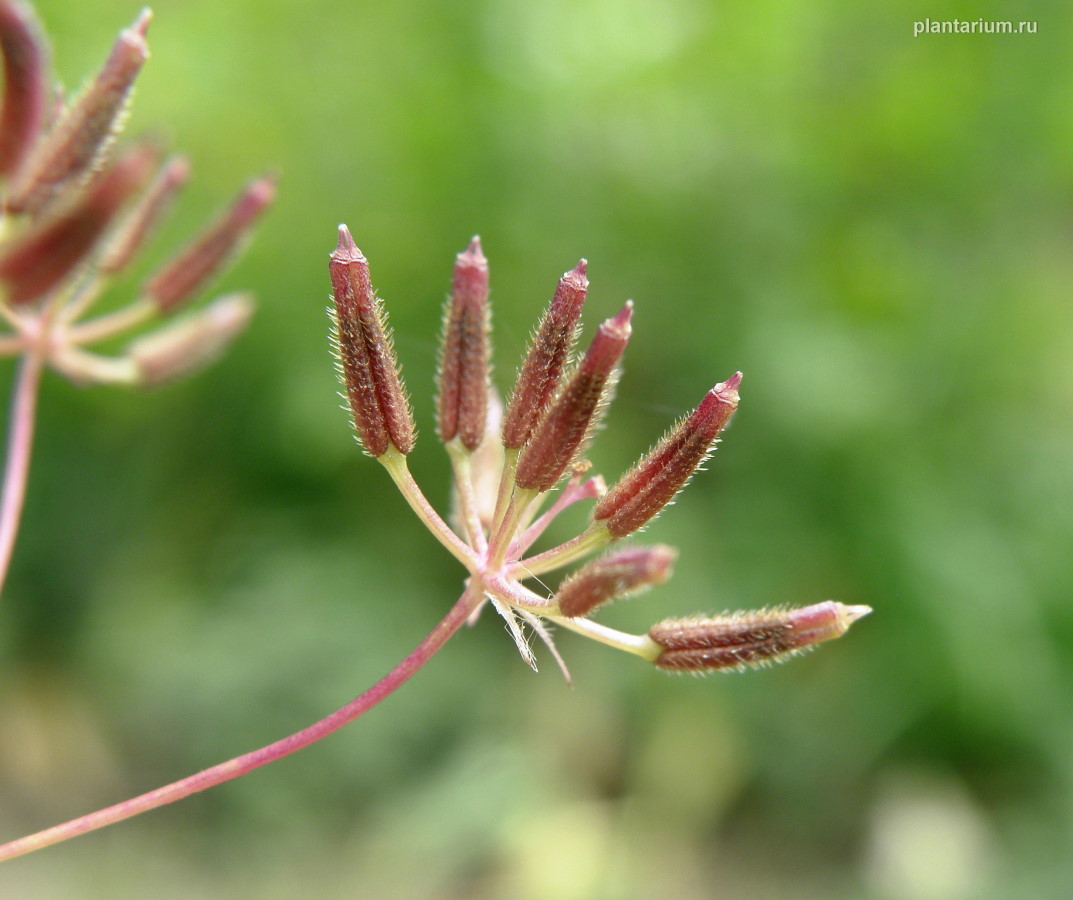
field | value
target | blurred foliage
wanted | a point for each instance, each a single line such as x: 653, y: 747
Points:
x: 876, y: 229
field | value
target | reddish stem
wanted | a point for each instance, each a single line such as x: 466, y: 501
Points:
x: 240, y: 765
x: 20, y: 444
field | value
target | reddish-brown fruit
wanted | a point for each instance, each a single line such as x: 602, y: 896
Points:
x: 651, y: 484
x: 368, y: 367
x: 462, y: 399
x: 70, y: 150
x: 39, y: 259
x: 564, y: 430
x: 616, y: 575
x: 139, y: 222
x: 738, y: 640
x: 190, y: 270
x: 542, y: 369
x: 26, y: 89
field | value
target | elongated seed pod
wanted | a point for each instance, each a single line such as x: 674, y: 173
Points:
x: 743, y: 639
x: 70, y: 150
x: 137, y: 225
x: 653, y: 482
x: 618, y: 574
x: 181, y: 346
x: 561, y: 435
x: 192, y: 268
x: 26, y: 88
x: 462, y: 396
x: 40, y: 258
x: 542, y: 370
x: 368, y: 368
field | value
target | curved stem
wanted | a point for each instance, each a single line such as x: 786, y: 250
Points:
x: 592, y: 538
x: 8, y: 314
x: 240, y: 765
x: 506, y: 487
x: 572, y: 493
x: 516, y: 594
x: 20, y: 444
x: 82, y: 366
x: 395, y: 463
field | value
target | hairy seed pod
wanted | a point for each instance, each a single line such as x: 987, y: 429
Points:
x: 462, y: 397
x: 69, y: 152
x: 563, y: 432
x: 39, y: 259
x: 614, y: 576
x: 191, y: 269
x: 137, y: 225
x: 368, y: 368
x: 26, y: 89
x: 653, y: 482
x: 743, y: 639
x: 549, y: 352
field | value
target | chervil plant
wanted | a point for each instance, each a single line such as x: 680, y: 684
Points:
x: 72, y: 216
x: 503, y: 474
x: 505, y: 468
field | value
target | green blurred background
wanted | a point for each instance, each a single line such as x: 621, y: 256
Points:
x: 876, y: 229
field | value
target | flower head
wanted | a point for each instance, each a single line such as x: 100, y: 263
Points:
x: 504, y: 476
x: 74, y: 213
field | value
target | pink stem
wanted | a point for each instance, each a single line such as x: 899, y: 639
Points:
x: 572, y: 493
x: 240, y: 765
x: 20, y: 444
x: 592, y: 538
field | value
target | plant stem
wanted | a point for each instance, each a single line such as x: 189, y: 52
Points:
x: 638, y: 644
x: 82, y: 365
x: 240, y: 765
x: 20, y: 444
x: 467, y: 501
x: 123, y: 319
x: 592, y: 538
x: 506, y: 487
x: 395, y: 463
x: 501, y: 538
x: 572, y: 493
x: 11, y: 344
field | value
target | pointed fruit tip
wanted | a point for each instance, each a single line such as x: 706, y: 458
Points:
x: 727, y: 391
x: 851, y: 614
x: 177, y: 169
x: 473, y: 255
x: 263, y: 188
x: 624, y: 315
x: 346, y: 249
x: 577, y: 276
x: 141, y: 24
